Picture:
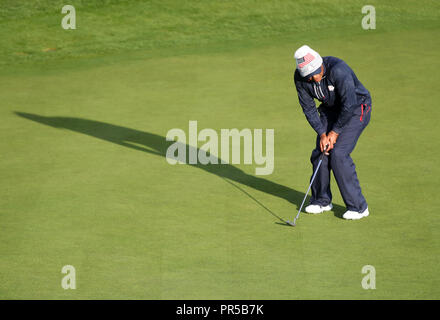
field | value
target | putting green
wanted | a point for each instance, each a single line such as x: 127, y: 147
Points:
x: 85, y: 181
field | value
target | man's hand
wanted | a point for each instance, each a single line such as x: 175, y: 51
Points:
x: 332, y: 137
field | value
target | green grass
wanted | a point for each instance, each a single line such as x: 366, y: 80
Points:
x: 136, y: 227
x: 29, y: 28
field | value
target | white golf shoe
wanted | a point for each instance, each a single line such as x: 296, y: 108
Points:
x: 316, y: 208
x: 354, y: 215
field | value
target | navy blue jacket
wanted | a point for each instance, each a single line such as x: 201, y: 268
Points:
x: 339, y: 89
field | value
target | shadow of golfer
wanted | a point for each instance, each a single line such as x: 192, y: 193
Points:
x: 158, y: 145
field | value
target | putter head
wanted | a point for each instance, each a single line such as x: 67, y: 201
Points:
x: 290, y: 223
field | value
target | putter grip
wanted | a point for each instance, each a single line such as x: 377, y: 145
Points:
x: 323, y: 152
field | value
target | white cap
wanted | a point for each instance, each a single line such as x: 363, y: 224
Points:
x: 307, y: 60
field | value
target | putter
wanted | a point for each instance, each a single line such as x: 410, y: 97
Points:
x: 293, y: 224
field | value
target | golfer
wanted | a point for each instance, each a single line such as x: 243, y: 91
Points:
x: 344, y: 112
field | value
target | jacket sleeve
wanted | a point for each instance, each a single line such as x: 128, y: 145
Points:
x: 309, y: 108
x: 344, y: 84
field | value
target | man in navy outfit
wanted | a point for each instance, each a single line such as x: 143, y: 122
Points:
x: 344, y: 113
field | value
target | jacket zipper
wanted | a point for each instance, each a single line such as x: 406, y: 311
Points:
x: 318, y: 91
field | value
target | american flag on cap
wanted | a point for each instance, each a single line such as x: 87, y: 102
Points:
x: 305, y: 60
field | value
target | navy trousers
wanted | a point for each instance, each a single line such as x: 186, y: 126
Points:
x: 339, y: 161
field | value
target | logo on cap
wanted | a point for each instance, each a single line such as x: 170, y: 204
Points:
x: 305, y: 60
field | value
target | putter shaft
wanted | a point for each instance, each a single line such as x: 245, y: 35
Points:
x: 311, y: 182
